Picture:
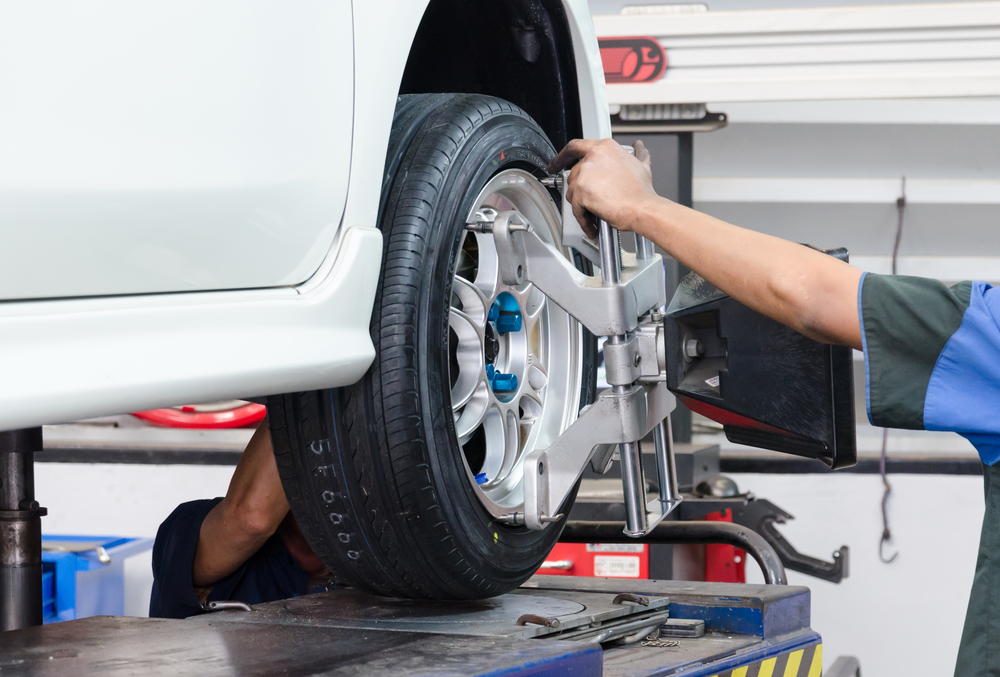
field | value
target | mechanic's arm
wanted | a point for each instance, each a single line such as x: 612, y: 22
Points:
x: 250, y: 513
x: 800, y: 287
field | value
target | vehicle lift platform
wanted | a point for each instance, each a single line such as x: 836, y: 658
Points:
x: 552, y: 625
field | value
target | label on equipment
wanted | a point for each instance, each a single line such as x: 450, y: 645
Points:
x: 616, y: 547
x: 713, y: 382
x: 616, y: 566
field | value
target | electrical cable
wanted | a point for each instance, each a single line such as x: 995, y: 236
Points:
x: 886, y: 490
x: 886, y: 487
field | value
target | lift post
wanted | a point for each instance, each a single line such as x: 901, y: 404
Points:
x: 20, y: 531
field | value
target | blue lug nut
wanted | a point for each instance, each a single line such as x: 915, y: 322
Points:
x: 494, y: 313
x: 508, y: 322
x: 501, y: 383
x: 504, y: 383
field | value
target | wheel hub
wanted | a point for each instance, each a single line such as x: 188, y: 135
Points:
x: 504, y: 322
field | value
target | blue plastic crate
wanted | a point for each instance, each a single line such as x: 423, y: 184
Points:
x: 78, y: 584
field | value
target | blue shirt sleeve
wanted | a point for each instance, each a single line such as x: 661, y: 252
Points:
x: 905, y: 324
x: 963, y: 394
x: 932, y: 357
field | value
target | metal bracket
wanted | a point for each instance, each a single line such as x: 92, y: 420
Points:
x: 604, y: 310
x: 221, y: 605
x: 651, y: 348
x: 622, y: 362
x: 615, y: 418
x: 763, y: 520
x: 572, y: 234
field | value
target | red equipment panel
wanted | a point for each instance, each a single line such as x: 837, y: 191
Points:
x: 601, y: 560
x: 724, y: 563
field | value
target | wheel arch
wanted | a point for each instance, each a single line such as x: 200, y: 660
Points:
x: 522, y: 51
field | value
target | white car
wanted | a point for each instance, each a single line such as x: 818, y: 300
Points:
x: 217, y: 199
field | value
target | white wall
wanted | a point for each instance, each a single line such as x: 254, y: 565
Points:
x: 122, y: 500
x: 810, y: 169
x: 903, y: 618
x: 614, y: 6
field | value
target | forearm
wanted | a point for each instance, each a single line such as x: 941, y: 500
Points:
x: 802, y: 288
x: 250, y: 513
x: 223, y: 546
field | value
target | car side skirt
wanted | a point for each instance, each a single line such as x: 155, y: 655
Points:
x: 68, y: 360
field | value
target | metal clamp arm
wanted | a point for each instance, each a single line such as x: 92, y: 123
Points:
x: 604, y: 310
x: 620, y: 305
x: 615, y: 418
x: 761, y: 515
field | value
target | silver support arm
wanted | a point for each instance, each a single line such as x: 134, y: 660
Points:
x: 666, y: 466
x: 550, y: 474
x: 604, y: 310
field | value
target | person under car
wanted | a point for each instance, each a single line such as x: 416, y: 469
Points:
x: 244, y: 547
x: 932, y: 352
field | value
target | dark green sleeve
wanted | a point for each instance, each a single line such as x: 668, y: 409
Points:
x: 905, y: 324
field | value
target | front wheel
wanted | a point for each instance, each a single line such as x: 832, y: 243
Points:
x: 398, y: 481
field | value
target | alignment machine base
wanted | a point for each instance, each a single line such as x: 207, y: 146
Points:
x: 748, y: 630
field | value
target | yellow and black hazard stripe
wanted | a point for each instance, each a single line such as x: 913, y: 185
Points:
x: 807, y: 662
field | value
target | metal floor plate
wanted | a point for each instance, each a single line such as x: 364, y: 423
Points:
x: 112, y: 646
x: 494, y: 617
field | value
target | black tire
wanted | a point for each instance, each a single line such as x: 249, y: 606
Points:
x: 373, y: 472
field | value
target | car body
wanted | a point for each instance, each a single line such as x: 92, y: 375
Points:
x: 189, y: 191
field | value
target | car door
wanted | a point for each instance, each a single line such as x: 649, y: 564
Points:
x: 181, y: 146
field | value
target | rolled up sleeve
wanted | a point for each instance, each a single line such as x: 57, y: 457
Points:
x: 932, y: 357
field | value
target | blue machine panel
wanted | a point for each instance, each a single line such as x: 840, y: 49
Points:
x: 77, y: 584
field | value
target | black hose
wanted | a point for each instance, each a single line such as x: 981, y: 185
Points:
x: 579, y: 531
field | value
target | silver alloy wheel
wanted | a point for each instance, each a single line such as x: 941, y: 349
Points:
x: 499, y: 421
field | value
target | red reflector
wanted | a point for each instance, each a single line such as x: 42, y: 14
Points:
x: 724, y: 417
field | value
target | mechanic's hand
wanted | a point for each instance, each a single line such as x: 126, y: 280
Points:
x: 606, y: 182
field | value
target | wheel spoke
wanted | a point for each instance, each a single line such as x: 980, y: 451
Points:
x: 538, y: 377
x: 488, y: 272
x: 534, y: 305
x: 473, y: 302
x: 473, y: 414
x: 496, y: 441
x: 530, y: 407
x: 503, y: 441
x: 467, y: 356
x: 512, y: 440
